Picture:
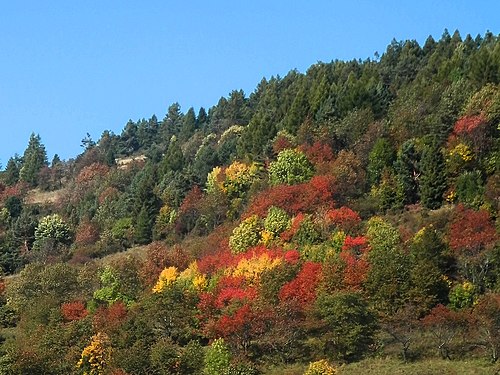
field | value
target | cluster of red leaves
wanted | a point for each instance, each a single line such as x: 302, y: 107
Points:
x: 443, y: 320
x: 305, y: 197
x: 18, y: 190
x: 467, y: 124
x: 92, y: 172
x: 191, y: 201
x: 355, y: 256
x: 87, y: 233
x: 318, y: 153
x: 343, y: 218
x: 211, y: 263
x: 75, y: 310
x: 109, y: 318
x: 302, y: 289
x: 471, y: 231
x: 281, y: 143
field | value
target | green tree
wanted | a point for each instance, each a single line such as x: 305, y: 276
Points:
x: 291, y: 167
x: 188, y: 126
x: 408, y: 170
x: 34, y: 158
x: 11, y: 174
x: 51, y: 234
x: 381, y: 156
x: 350, y: 324
x: 433, y: 177
x: 387, y: 279
x: 217, y: 358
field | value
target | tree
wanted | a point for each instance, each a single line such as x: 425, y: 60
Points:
x: 408, y: 170
x: 11, y: 174
x: 34, y: 158
x: 217, y: 358
x: 350, y: 326
x: 433, y: 178
x: 50, y: 234
x: 291, y: 167
x: 96, y: 356
x: 382, y: 155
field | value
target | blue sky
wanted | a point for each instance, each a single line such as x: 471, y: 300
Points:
x: 72, y: 67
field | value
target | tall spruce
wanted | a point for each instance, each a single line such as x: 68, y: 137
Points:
x: 433, y: 177
x: 34, y: 159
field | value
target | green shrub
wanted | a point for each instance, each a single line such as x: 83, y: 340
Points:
x: 245, y: 235
x: 291, y: 167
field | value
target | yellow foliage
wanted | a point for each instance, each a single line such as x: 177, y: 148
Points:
x: 321, y: 367
x: 192, y: 277
x: 266, y: 237
x: 167, y: 277
x: 252, y: 268
x: 462, y: 151
x: 200, y: 282
x: 96, y: 355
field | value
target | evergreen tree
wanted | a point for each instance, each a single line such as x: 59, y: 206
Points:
x: 408, y: 171
x: 34, y: 158
x: 11, y: 174
x: 202, y: 119
x: 433, y: 177
x: 188, y: 125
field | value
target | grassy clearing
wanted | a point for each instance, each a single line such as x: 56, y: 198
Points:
x: 424, y: 367
x: 37, y: 196
x: 390, y: 366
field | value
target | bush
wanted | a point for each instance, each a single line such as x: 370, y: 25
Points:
x: 321, y: 367
x: 276, y: 221
x: 291, y: 167
x: 245, y: 235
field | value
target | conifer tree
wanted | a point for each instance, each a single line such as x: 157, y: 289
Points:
x: 11, y: 174
x: 34, y: 158
x: 433, y: 178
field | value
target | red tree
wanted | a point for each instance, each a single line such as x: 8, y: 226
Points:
x: 302, y: 289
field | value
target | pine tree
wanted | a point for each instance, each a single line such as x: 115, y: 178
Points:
x: 11, y: 174
x: 433, y: 178
x: 34, y: 158
x: 408, y: 171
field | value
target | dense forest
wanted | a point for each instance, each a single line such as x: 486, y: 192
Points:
x: 339, y: 215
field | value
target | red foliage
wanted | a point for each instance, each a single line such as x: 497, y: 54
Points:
x: 91, y: 173
x: 86, y: 234
x: 354, y: 254
x: 318, y: 153
x: 302, y: 289
x: 210, y: 264
x: 467, y: 124
x: 344, y: 218
x: 281, y: 143
x: 471, y: 231
x: 109, y: 318
x: 191, y: 201
x: 305, y: 197
x: 73, y: 311
x: 18, y: 190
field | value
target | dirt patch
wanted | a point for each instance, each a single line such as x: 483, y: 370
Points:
x: 37, y: 196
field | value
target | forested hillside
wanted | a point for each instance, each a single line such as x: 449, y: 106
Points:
x: 346, y: 213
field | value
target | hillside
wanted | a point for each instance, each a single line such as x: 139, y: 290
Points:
x: 327, y: 220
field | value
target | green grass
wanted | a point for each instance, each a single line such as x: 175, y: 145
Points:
x: 390, y: 366
x: 423, y: 367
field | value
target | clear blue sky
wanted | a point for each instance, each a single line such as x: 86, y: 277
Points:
x: 72, y: 67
